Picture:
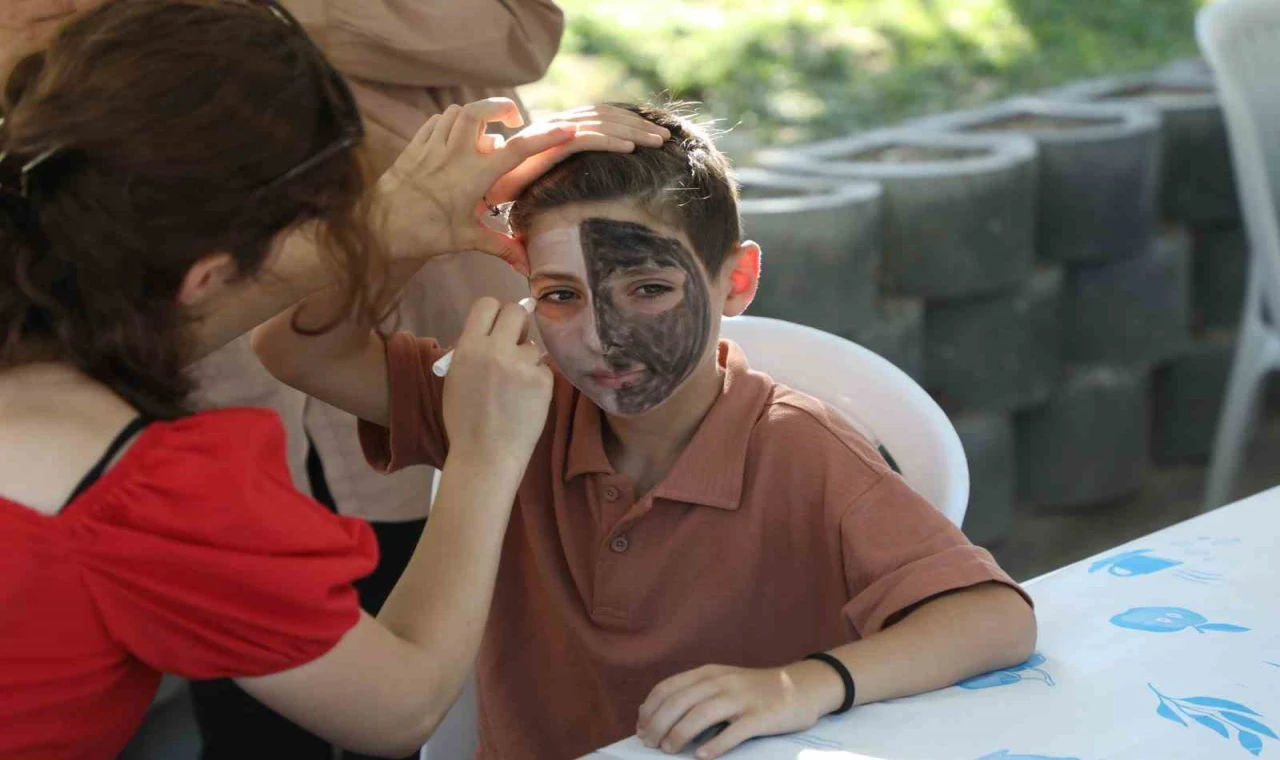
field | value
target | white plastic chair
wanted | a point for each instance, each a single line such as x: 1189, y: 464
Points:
x: 879, y: 399
x: 1241, y: 40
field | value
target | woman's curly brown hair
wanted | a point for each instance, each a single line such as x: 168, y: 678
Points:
x: 165, y: 116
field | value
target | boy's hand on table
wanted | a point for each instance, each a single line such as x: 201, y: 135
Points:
x: 754, y: 702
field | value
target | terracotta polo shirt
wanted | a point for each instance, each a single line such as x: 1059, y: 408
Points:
x: 779, y: 532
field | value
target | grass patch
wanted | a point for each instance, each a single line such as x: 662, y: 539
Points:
x: 783, y: 71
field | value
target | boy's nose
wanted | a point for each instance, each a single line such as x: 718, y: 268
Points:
x: 591, y: 333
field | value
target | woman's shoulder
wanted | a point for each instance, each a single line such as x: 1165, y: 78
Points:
x: 217, y: 476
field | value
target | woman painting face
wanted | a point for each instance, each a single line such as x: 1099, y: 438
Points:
x: 623, y: 309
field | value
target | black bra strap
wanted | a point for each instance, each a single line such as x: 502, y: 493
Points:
x: 123, y: 437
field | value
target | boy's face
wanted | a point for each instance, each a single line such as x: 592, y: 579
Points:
x: 625, y: 308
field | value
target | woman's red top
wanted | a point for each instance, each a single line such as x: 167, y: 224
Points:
x: 193, y: 555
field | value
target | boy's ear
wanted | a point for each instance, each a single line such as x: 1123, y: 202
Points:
x: 742, y: 270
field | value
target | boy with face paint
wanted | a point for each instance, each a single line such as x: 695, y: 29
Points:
x: 688, y: 531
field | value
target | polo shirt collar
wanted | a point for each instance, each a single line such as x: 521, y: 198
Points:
x: 711, y: 469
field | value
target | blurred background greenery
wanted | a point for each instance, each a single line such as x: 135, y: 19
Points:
x: 788, y: 71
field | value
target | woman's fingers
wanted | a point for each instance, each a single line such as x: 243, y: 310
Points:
x: 502, y: 245
x: 512, y: 321
x: 530, y: 142
x: 622, y: 117
x: 484, y: 312
x: 444, y: 127
x: 514, y: 182
x: 476, y: 117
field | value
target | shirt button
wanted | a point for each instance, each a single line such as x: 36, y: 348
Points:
x: 619, y: 544
x: 611, y: 493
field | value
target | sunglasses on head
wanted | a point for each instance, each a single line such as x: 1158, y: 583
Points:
x: 346, y: 112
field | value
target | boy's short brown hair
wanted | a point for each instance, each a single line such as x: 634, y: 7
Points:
x: 685, y: 183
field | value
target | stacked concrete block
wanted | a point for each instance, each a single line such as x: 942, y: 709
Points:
x: 1062, y: 273
x: 996, y: 353
x: 1197, y: 181
x: 821, y: 247
x: 959, y: 210
x: 896, y: 332
x: 1220, y: 265
x: 1089, y: 443
x: 1124, y: 296
x: 1188, y: 397
x: 988, y: 441
x: 1198, y: 189
x: 1133, y: 311
x: 1098, y: 168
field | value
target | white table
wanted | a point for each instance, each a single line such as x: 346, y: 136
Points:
x: 1166, y: 648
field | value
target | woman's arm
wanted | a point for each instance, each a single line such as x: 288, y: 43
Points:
x: 943, y: 641
x: 388, y: 683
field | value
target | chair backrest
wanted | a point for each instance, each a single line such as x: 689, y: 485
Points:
x: 876, y: 397
x: 1241, y: 40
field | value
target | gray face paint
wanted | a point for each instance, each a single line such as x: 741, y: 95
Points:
x: 666, y: 345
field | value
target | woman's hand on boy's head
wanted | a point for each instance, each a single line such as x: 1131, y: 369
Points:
x: 600, y: 127
x: 754, y: 702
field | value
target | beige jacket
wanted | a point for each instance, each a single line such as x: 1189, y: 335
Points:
x: 406, y: 60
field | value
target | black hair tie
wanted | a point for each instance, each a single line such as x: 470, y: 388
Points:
x: 850, y: 690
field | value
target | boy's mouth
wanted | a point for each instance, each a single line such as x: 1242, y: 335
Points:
x: 615, y: 380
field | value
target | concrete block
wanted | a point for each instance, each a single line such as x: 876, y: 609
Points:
x: 959, y: 210
x: 1133, y: 311
x: 988, y: 441
x: 996, y: 353
x: 1197, y: 182
x: 821, y: 247
x: 1089, y: 443
x: 1098, y: 171
x: 897, y: 334
x: 1188, y: 395
x: 1220, y: 272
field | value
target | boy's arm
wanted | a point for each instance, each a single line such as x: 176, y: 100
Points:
x: 932, y: 609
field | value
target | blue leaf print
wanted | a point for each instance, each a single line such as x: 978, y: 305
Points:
x: 1221, y: 627
x: 1165, y: 711
x: 1222, y: 704
x: 1251, y: 743
x: 1216, y: 725
x: 1250, y: 724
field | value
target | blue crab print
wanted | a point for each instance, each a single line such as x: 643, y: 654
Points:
x: 1170, y: 620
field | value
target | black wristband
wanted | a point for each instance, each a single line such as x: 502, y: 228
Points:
x: 850, y: 691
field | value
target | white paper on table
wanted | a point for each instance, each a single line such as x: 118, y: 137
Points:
x: 1167, y: 648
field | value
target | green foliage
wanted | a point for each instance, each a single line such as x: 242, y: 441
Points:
x: 783, y: 71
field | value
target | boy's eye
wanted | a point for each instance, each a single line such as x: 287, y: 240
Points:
x: 559, y: 295
x: 652, y: 290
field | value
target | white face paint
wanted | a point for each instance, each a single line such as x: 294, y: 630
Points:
x: 623, y: 310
